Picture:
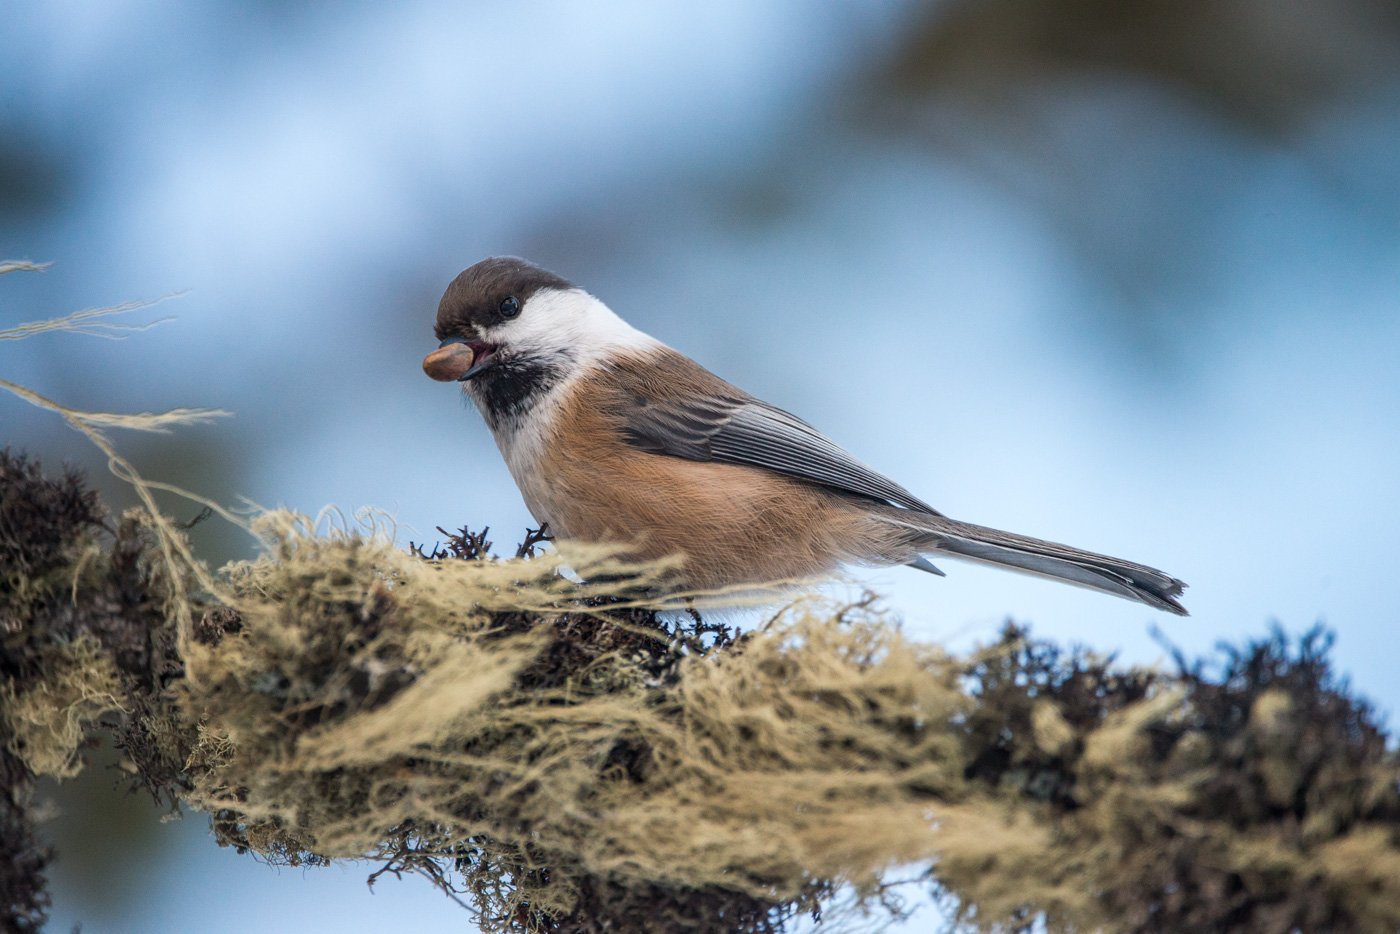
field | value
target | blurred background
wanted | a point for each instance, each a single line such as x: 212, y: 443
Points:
x: 1124, y: 275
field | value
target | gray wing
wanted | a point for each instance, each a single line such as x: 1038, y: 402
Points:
x: 746, y: 431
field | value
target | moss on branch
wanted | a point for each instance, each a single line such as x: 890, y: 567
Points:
x: 563, y: 757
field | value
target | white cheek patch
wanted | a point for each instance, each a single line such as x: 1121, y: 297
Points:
x: 581, y: 332
x: 573, y: 325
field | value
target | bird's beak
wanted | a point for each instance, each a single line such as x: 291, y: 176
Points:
x: 483, y: 358
x: 459, y: 359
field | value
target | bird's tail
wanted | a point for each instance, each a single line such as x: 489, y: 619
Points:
x: 938, y: 534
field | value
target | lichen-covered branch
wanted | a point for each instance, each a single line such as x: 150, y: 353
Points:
x: 565, y: 758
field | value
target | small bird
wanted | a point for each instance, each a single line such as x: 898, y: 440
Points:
x: 614, y: 437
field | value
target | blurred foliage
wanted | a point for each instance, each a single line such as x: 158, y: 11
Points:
x: 1262, y: 67
x: 1131, y: 128
x: 32, y: 177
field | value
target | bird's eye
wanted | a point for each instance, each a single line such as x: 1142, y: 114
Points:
x: 509, y: 307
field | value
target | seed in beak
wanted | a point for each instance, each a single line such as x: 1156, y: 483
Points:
x: 449, y: 362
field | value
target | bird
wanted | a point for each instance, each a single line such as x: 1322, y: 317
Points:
x: 614, y: 437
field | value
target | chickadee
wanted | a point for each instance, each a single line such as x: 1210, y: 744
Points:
x: 614, y: 437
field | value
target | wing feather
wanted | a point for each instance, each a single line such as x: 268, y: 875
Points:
x: 734, y: 429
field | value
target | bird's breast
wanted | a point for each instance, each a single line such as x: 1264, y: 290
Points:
x: 523, y: 443
x: 730, y: 523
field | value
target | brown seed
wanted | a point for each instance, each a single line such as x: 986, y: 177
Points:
x: 449, y: 363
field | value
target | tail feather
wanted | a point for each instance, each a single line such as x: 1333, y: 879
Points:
x: 1049, y: 559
